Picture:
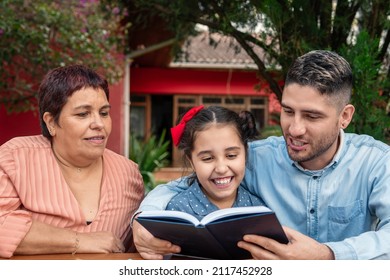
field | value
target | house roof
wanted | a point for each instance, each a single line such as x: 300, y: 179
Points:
x: 214, y: 50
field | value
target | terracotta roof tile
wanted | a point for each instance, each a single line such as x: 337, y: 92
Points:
x: 214, y: 50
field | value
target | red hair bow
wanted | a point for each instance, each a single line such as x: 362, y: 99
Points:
x: 177, y: 131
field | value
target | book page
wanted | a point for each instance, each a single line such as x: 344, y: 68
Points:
x: 228, y: 212
x: 169, y: 215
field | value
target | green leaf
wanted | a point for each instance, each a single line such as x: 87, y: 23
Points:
x: 149, y: 155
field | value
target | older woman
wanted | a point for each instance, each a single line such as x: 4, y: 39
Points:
x: 63, y: 191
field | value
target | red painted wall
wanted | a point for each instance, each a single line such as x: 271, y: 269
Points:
x: 21, y: 124
x: 116, y: 140
x: 193, y: 81
x: 170, y: 81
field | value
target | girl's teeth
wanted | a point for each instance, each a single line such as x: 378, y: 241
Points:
x: 222, y: 181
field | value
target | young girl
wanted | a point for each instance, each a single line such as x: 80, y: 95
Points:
x: 214, y: 142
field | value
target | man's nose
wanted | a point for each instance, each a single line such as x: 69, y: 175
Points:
x: 297, y: 127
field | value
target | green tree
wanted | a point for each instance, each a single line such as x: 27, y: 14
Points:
x: 286, y: 29
x: 369, y: 117
x: 38, y: 35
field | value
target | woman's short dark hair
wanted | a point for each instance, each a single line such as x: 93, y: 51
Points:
x: 59, y: 84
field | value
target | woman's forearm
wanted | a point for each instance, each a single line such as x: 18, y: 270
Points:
x: 47, y: 239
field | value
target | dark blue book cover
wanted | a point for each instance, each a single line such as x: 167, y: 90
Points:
x: 216, y: 236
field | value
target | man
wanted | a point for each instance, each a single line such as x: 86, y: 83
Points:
x: 330, y: 189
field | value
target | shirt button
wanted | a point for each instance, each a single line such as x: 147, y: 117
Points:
x: 315, y: 177
x: 312, y: 211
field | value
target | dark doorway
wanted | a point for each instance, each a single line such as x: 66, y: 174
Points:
x: 162, y: 117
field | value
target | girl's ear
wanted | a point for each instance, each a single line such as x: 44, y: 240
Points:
x: 50, y: 124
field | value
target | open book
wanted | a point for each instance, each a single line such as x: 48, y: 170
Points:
x: 217, y: 234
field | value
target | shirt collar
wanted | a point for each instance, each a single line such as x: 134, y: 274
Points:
x: 200, y: 201
x: 201, y: 198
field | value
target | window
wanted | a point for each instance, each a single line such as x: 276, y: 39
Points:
x: 140, y: 116
x: 256, y: 104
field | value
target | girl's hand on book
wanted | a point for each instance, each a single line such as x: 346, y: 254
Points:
x: 150, y: 247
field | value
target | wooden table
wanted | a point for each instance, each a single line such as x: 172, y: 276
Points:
x: 111, y: 256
